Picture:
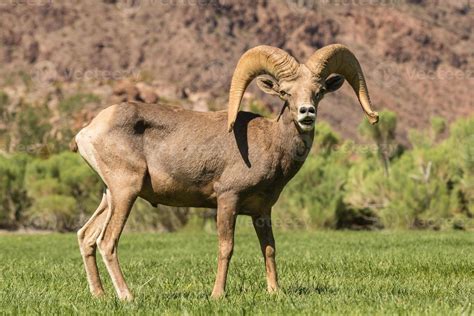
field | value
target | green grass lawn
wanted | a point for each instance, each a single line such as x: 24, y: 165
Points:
x: 320, y: 272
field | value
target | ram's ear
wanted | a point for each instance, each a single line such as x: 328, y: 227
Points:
x: 268, y: 84
x: 334, y: 82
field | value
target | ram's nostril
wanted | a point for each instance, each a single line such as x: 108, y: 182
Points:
x: 312, y: 110
x: 303, y: 109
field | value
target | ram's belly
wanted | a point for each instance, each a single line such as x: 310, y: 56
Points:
x: 185, y: 190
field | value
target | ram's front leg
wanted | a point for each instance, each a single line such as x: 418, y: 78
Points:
x: 226, y: 216
x: 263, y: 228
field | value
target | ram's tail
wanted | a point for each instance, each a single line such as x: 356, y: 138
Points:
x: 73, y: 145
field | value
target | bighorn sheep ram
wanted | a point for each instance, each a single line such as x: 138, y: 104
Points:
x: 237, y: 162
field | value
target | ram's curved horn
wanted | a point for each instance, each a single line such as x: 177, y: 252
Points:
x: 338, y: 59
x: 257, y: 61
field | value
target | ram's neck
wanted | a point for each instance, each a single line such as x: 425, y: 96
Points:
x: 295, y: 146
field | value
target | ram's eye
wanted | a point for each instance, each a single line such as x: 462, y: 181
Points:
x: 283, y: 93
x: 319, y: 95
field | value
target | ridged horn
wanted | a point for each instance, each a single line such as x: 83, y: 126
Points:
x: 338, y: 59
x: 255, y: 62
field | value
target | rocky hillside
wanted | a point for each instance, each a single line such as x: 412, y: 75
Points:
x: 418, y: 55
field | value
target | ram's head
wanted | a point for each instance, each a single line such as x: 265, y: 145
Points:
x: 301, y: 86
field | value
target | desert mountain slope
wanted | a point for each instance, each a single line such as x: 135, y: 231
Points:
x: 418, y: 55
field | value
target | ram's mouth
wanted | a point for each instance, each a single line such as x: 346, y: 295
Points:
x: 308, y: 121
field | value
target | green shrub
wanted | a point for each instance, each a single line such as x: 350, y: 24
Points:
x: 77, y: 101
x: 429, y: 186
x: 145, y: 217
x: 32, y: 128
x: 4, y: 100
x: 54, y: 212
x: 438, y: 126
x: 313, y: 196
x: 64, y: 176
x: 383, y: 135
x: 13, y: 194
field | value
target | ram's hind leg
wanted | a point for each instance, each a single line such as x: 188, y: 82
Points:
x: 120, y: 202
x: 87, y: 237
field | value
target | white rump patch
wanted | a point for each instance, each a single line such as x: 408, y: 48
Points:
x: 86, y: 148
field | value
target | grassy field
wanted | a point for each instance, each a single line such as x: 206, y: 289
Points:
x: 320, y: 272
